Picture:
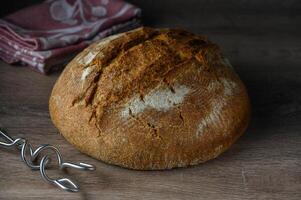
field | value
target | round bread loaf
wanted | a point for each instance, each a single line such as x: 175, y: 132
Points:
x: 150, y: 99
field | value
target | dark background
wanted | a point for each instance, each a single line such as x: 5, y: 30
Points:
x: 262, y: 40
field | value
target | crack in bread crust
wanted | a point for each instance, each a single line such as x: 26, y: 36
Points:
x: 108, y: 61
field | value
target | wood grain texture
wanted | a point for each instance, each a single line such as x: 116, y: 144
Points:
x: 260, y: 38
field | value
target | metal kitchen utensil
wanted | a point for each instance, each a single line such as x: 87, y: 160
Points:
x: 30, y: 157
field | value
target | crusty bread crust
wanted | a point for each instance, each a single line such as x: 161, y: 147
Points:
x: 150, y: 99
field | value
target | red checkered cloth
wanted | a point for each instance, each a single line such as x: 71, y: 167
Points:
x: 45, y: 35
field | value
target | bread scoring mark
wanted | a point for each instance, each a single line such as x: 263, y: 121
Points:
x: 87, y: 58
x: 160, y: 99
x: 217, y: 105
x: 104, y: 42
x: 85, y: 73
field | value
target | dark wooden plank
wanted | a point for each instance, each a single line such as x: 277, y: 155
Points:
x: 261, y: 39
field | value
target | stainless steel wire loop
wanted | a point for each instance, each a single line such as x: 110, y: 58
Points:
x: 31, y: 156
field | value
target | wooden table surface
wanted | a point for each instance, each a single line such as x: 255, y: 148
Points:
x: 261, y: 39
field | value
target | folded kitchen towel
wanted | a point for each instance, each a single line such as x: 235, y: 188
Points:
x: 45, y: 35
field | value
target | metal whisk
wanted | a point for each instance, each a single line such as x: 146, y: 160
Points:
x: 29, y: 157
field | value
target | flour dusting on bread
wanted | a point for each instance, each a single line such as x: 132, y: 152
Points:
x: 85, y: 73
x: 213, y: 85
x: 217, y: 105
x: 228, y: 87
x: 87, y: 59
x: 212, y: 117
x: 161, y: 99
x: 104, y: 42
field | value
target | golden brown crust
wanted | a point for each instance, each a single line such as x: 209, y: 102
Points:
x: 150, y: 99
